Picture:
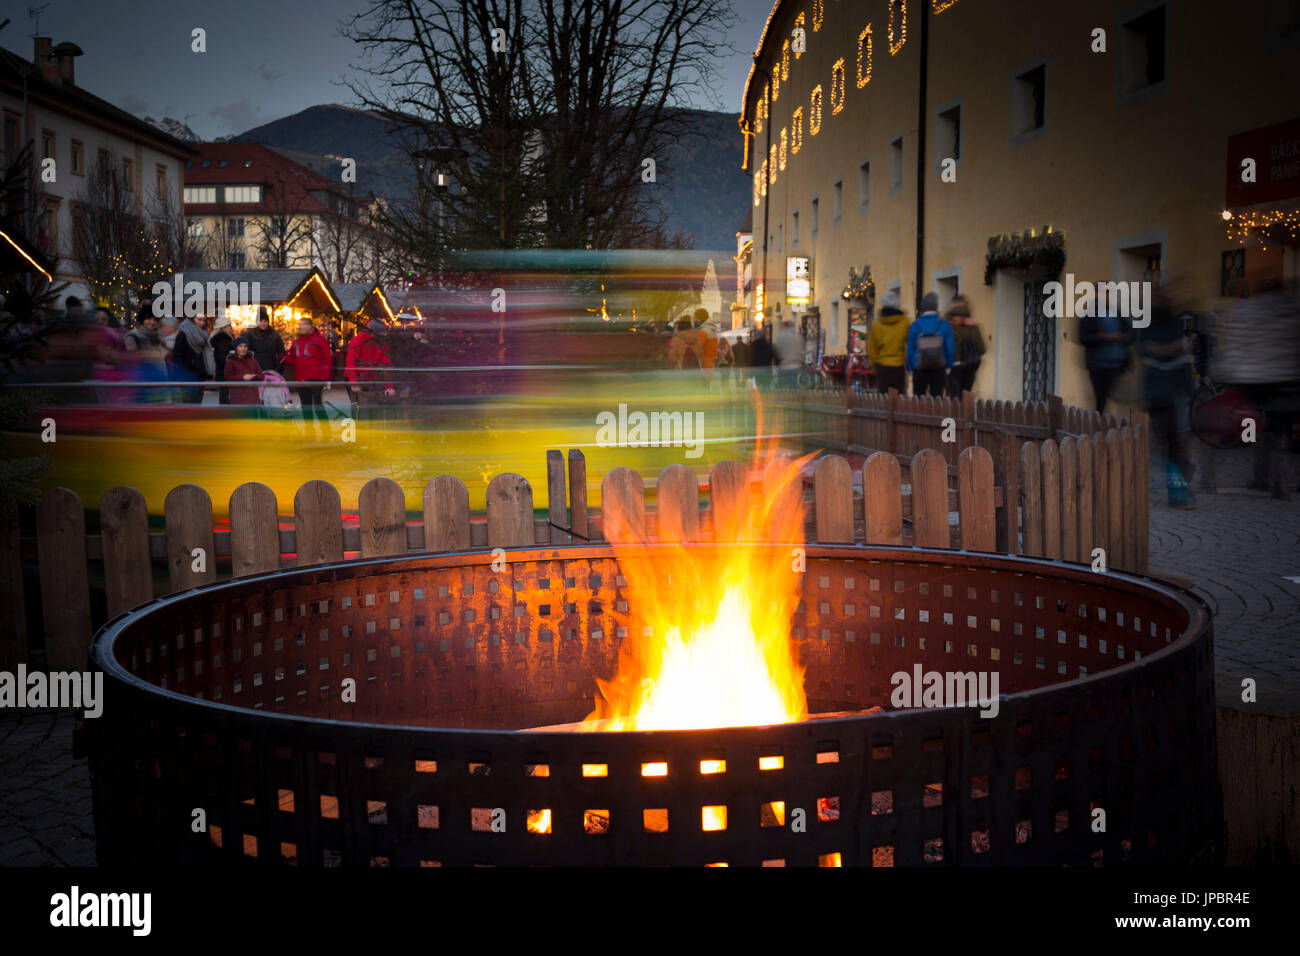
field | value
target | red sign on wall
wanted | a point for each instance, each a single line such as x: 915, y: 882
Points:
x: 1276, y: 152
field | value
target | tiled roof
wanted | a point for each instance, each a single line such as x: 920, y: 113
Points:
x: 277, y: 285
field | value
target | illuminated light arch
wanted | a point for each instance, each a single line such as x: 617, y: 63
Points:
x: 771, y: 165
x: 760, y: 112
x: 819, y: 14
x: 938, y: 6
x: 785, y: 60
x: 897, y: 25
x: 776, y: 83
x: 781, y: 152
x: 815, y: 111
x: 865, y: 35
x: 757, y: 190
x: 798, y: 25
x: 796, y: 130
x: 837, y: 86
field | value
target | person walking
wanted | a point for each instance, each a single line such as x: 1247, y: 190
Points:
x: 191, y: 360
x: 367, y: 359
x: 222, y: 343
x: 1105, y: 337
x: 242, y: 366
x: 887, y: 345
x: 931, y: 349
x: 310, y: 359
x: 969, y: 341
x: 790, y: 346
x: 1259, y: 351
x: 1167, y: 365
x: 265, y: 343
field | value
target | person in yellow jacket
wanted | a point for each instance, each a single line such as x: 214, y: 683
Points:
x: 887, y: 345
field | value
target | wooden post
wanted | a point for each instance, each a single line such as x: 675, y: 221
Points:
x: 678, y: 502
x: 446, y: 514
x: 1142, y: 497
x: 128, y: 574
x: 891, y: 426
x: 1055, y: 414
x: 975, y: 499
x: 1101, y: 498
x: 1051, y: 462
x: 254, y: 530
x: 833, y: 500
x: 1006, y: 472
x: 318, y: 522
x: 381, y: 507
x: 622, y: 506
x: 969, y: 432
x: 1115, y: 485
x: 784, y: 493
x: 65, y: 585
x: 191, y: 550
x: 510, y: 512
x: 578, y: 520
x: 729, y: 501
x: 1031, y: 503
x: 1070, y: 499
x: 882, y: 498
x: 555, y: 509
x: 930, y: 528
x: 1087, y: 498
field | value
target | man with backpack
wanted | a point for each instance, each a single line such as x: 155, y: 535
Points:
x: 931, y: 349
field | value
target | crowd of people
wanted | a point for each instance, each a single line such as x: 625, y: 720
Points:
x: 941, y: 351
x: 168, y: 359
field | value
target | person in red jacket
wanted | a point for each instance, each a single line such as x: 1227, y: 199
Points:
x: 242, y: 366
x: 310, y: 358
x: 368, y: 361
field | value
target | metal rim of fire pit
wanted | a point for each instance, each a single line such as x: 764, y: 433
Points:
x: 900, y: 787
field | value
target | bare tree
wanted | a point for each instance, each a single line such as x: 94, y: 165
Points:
x: 286, y: 224
x: 547, y: 110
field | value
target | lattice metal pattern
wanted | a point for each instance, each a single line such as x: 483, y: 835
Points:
x: 288, y: 773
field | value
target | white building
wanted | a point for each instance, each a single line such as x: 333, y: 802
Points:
x: 41, y: 104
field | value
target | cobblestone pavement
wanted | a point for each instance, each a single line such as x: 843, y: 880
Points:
x: 1237, y: 549
x: 45, y: 815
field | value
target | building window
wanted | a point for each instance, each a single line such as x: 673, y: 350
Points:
x: 1029, y: 101
x: 837, y: 201
x: 104, y: 162
x: 835, y: 324
x: 160, y: 180
x: 200, y: 194
x: 234, y: 228
x: 236, y: 260
x: 194, y: 228
x: 1142, y: 51
x: 947, y: 134
x: 128, y: 174
x: 864, y: 184
x: 47, y: 228
x: 47, y: 144
x: 896, y: 164
x: 794, y: 229
x: 243, y: 194
x: 816, y: 215
x: 78, y: 158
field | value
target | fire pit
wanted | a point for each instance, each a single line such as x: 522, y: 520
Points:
x: 382, y: 713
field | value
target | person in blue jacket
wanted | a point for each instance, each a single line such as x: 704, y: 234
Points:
x: 931, y: 349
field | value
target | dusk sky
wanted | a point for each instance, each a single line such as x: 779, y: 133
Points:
x: 264, y: 60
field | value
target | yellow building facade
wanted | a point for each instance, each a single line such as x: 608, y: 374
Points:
x: 1108, y: 122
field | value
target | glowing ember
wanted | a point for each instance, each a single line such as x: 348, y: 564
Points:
x: 691, y: 662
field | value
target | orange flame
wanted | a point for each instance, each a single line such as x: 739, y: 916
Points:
x: 711, y: 643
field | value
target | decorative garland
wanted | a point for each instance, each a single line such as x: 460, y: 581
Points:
x: 860, y: 286
x: 1044, y: 250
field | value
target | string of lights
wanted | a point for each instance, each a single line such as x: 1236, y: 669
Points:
x: 864, y: 43
x: 837, y: 86
x: 1276, y: 226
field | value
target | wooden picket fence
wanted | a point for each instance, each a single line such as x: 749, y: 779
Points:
x: 1048, y: 498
